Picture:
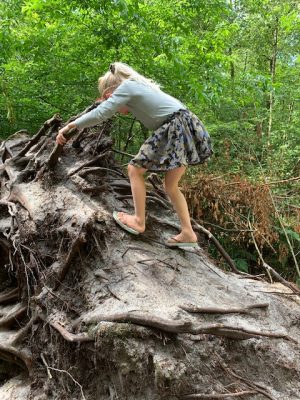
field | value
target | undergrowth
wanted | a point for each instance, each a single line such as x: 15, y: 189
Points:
x: 241, y: 214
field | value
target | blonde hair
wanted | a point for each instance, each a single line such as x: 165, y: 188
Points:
x: 118, y: 72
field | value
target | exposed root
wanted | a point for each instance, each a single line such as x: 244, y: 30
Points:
x: 13, y: 318
x: 16, y: 356
x: 175, y: 326
x: 23, y: 332
x: 57, y: 151
x: 9, y: 297
x: 55, y: 120
x: 95, y: 170
x: 68, y: 336
x: 218, y: 310
x: 91, y: 162
x: 143, y: 319
x: 95, y: 189
x: 259, y: 388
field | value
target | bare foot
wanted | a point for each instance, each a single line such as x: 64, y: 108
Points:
x: 185, y: 237
x: 132, y: 221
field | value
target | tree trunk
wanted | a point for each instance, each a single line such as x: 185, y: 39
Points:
x: 272, y: 74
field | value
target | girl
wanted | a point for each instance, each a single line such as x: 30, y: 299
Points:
x: 179, y: 139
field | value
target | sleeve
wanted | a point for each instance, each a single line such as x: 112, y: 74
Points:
x: 107, y: 109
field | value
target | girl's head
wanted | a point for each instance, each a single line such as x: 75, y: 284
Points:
x: 118, y: 72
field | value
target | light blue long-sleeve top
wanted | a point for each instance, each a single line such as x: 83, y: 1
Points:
x: 150, y: 106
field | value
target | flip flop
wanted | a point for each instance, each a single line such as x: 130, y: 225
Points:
x: 178, y: 244
x: 124, y: 226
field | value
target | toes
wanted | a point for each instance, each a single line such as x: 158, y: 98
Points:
x: 123, y: 218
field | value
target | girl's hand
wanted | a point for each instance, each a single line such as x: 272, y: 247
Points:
x: 60, y: 139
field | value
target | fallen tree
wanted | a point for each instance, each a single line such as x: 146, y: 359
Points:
x: 90, y: 312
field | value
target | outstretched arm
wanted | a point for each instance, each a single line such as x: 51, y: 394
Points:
x: 60, y: 138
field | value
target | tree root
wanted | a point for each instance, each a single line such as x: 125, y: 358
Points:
x: 55, y: 120
x: 68, y: 336
x: 172, y: 326
x: 250, y: 384
x: 236, y: 332
x: 95, y: 170
x: 91, y: 162
x: 12, y: 318
x: 153, y: 198
x: 95, y: 189
x: 16, y: 356
x: 56, y: 152
x: 10, y: 297
x: 23, y: 332
x: 217, y: 310
x: 199, y: 228
x: 148, y: 320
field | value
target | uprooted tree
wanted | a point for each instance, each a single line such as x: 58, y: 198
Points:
x: 90, y: 312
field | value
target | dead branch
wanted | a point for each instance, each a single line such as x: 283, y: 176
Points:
x: 218, y: 245
x: 89, y: 108
x: 55, y: 120
x: 123, y: 153
x: 217, y: 310
x: 58, y: 148
x: 285, y: 234
x: 295, y: 178
x: 271, y: 270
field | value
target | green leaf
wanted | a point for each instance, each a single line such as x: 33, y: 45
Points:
x: 241, y: 264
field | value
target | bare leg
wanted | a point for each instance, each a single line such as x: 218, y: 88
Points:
x: 178, y: 200
x: 137, y: 181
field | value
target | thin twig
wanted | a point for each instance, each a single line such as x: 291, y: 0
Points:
x: 285, y: 233
x: 213, y: 396
x: 122, y: 152
x: 46, y: 365
x: 74, y: 380
x: 271, y: 270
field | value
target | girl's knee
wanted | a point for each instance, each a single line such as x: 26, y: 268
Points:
x: 133, y: 170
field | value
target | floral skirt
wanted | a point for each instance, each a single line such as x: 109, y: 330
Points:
x: 181, y: 140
